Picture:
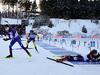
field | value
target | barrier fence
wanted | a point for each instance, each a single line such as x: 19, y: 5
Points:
x: 75, y: 44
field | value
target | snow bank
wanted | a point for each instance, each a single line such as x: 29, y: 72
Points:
x: 10, y: 21
x: 73, y: 26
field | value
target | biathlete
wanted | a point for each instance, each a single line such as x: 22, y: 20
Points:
x: 15, y: 37
x: 31, y: 37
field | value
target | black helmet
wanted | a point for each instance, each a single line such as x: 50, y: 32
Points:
x: 93, y: 51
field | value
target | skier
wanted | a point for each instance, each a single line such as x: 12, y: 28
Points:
x: 70, y: 58
x: 15, y: 37
x: 93, y: 56
x: 31, y: 37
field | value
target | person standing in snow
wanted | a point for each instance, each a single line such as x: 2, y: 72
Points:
x: 15, y: 37
x: 31, y: 37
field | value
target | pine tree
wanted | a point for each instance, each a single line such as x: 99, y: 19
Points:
x: 34, y: 7
x: 84, y: 30
x: 26, y: 4
x: 83, y: 9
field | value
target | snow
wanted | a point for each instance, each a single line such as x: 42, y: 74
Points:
x: 9, y: 21
x: 21, y: 64
x: 28, y: 28
x: 73, y: 26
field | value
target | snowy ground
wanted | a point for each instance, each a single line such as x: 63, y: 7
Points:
x: 21, y: 64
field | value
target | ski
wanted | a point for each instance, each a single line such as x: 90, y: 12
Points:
x: 60, y: 62
x: 7, y: 58
x: 21, y: 48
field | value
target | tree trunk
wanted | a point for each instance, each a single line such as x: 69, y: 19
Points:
x: 16, y: 10
x: 13, y: 13
x: 7, y: 10
x: 8, y: 14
